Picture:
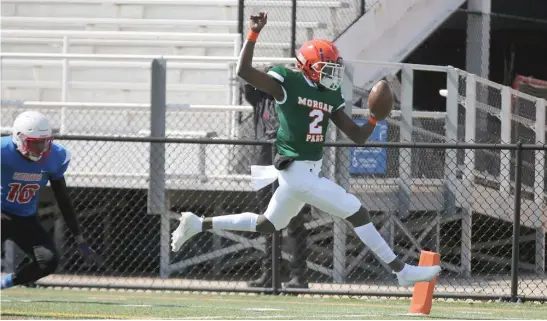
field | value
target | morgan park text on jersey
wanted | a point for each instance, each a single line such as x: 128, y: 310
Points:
x: 315, y: 134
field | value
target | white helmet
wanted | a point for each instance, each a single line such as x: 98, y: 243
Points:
x: 32, y: 135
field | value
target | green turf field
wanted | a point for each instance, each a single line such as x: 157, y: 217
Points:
x: 23, y: 303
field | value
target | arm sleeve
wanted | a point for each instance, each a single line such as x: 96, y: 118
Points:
x: 60, y: 191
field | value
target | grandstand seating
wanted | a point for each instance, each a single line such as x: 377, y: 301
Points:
x: 140, y: 27
x: 182, y: 27
x: 147, y: 24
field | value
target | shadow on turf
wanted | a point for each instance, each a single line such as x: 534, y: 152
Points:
x: 106, y: 303
x: 16, y: 316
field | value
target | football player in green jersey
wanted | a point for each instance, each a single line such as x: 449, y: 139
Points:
x: 306, y: 100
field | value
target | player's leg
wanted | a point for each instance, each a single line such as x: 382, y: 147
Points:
x: 282, y: 208
x: 367, y: 232
x: 333, y: 199
x: 297, y: 239
x: 31, y: 237
x: 264, y: 280
x: 7, y: 233
x: 263, y: 197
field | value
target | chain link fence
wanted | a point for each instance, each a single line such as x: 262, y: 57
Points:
x: 474, y: 239
x: 109, y: 184
x: 452, y: 199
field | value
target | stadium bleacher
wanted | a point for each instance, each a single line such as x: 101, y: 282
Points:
x: 185, y: 27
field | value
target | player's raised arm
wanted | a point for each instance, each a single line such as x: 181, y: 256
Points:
x: 380, y: 103
x: 247, y: 72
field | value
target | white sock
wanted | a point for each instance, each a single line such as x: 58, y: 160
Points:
x: 236, y: 222
x: 372, y: 238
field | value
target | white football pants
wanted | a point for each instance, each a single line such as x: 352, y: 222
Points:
x: 300, y: 184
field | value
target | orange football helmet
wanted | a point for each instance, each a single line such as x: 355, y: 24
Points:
x: 319, y: 60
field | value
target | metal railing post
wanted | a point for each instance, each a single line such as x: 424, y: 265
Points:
x: 450, y: 156
x: 233, y: 97
x: 505, y: 155
x: 405, y: 154
x: 240, y: 30
x: 238, y: 44
x: 156, y: 190
x: 342, y: 178
x: 516, y: 224
x: 539, y: 181
x: 276, y: 246
x: 293, y: 28
x: 240, y: 18
x: 64, y: 86
x: 231, y: 85
x: 468, y: 176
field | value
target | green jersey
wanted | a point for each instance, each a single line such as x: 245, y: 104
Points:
x: 303, y: 114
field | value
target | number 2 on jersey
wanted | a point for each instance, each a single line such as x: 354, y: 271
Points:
x: 317, y: 118
x: 22, y: 193
x: 315, y: 132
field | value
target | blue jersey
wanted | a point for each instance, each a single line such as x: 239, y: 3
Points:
x: 22, y: 179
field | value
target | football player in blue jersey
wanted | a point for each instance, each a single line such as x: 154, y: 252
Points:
x: 29, y: 160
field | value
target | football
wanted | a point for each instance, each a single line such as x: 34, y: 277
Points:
x: 380, y: 100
